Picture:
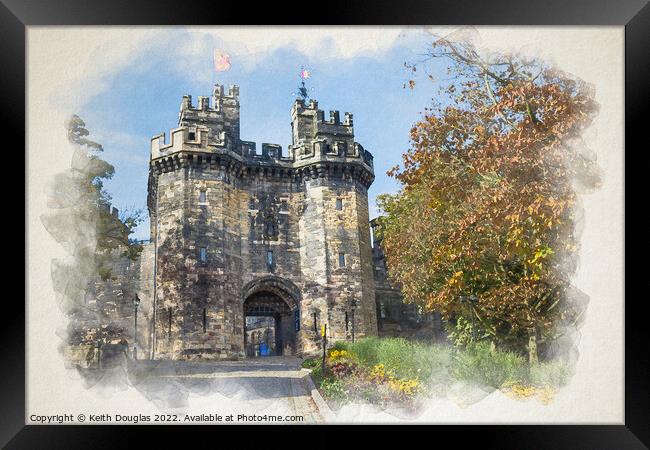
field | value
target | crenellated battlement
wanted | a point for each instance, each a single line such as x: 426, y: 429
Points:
x: 212, y: 128
x: 188, y: 139
x: 310, y: 125
x: 219, y: 113
x: 217, y: 96
x: 311, y: 109
x: 233, y: 92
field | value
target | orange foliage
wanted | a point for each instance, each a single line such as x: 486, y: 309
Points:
x: 488, y: 200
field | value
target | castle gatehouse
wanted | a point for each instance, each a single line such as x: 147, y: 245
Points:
x: 278, y: 241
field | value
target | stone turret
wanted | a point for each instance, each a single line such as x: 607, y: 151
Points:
x: 336, y: 250
x: 222, y: 116
x: 315, y: 138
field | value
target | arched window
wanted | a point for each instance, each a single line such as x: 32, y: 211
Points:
x: 270, y: 226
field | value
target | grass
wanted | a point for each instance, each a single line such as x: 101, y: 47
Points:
x: 479, y: 364
x: 403, y: 359
x: 552, y: 373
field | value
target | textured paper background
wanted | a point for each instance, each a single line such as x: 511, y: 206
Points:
x: 59, y: 58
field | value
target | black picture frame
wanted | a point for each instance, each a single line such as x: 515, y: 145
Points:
x: 16, y: 15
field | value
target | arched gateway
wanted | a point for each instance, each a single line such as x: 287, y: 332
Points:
x: 271, y: 317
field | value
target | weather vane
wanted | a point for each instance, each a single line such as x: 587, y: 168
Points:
x: 303, y: 91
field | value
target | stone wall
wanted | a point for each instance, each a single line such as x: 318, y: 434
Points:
x: 108, y: 315
x: 144, y: 288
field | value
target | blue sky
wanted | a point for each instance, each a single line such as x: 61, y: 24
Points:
x: 143, y: 99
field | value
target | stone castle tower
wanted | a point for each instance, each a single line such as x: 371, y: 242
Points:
x: 238, y: 233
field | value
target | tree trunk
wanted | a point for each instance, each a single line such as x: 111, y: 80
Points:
x: 532, y: 347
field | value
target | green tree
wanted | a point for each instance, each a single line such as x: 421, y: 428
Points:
x: 112, y: 233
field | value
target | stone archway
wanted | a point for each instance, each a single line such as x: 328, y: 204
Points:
x: 271, y: 309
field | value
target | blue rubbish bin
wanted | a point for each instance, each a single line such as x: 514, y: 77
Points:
x: 264, y: 349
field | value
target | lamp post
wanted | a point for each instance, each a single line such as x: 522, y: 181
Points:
x: 136, y: 303
x: 353, y: 307
x: 471, y: 300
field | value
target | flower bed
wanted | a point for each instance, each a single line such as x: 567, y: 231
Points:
x: 395, y: 372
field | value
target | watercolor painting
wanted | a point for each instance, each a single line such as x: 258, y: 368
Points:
x: 346, y: 225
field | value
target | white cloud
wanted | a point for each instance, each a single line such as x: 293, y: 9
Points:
x: 335, y: 42
x: 250, y: 45
x: 73, y: 64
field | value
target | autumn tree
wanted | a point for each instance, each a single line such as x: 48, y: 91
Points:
x: 488, y: 199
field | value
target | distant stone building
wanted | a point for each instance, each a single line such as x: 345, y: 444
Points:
x: 395, y: 318
x: 107, y: 316
x: 239, y: 233
x: 260, y: 336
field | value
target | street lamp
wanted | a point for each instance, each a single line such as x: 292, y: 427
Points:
x: 353, y: 307
x: 471, y: 300
x: 136, y: 303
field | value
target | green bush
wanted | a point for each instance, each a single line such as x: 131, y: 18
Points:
x: 317, y: 375
x: 478, y: 363
x: 334, y: 389
x: 310, y: 363
x: 460, y: 333
x: 552, y: 373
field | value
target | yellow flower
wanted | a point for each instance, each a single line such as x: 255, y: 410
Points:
x: 521, y: 392
x: 378, y: 372
x: 408, y: 387
x: 338, y: 354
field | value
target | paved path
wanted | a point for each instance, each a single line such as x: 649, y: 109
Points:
x: 273, y: 386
